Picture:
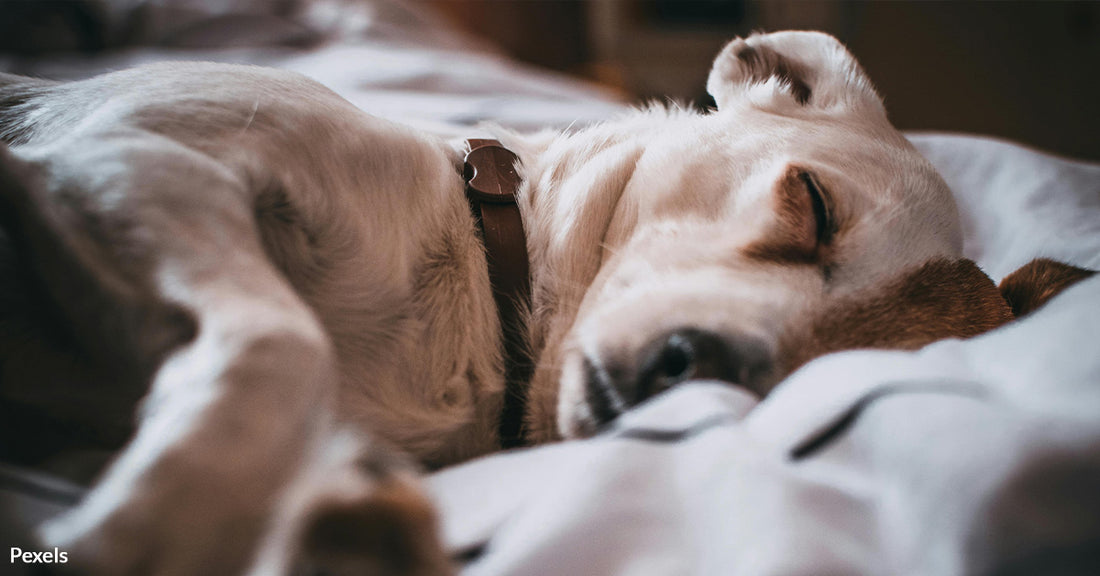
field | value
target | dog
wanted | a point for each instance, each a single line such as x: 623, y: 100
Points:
x: 296, y: 295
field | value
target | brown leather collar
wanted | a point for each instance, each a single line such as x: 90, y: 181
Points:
x: 491, y: 184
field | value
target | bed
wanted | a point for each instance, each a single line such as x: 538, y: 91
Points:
x: 965, y: 457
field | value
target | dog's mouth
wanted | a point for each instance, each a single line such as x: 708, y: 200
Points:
x: 607, y: 383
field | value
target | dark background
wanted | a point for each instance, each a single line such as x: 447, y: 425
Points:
x: 1028, y: 71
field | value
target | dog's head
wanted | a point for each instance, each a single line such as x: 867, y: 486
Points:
x: 791, y: 222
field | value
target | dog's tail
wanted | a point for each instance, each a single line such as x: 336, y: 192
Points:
x: 18, y: 98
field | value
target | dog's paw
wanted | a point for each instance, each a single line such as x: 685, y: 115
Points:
x: 355, y: 508
x: 389, y: 531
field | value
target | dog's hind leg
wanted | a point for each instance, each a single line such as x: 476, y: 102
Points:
x: 238, y: 405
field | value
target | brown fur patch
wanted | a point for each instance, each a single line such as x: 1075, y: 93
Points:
x: 391, y: 531
x: 763, y: 64
x: 941, y: 299
x: 1037, y: 282
x: 793, y: 238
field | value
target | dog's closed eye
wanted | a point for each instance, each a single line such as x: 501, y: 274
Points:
x: 822, y: 209
x: 804, y: 223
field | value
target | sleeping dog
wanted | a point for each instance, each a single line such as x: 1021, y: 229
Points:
x: 301, y: 297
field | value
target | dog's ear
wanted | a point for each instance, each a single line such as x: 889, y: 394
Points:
x: 1037, y: 282
x: 944, y: 298
x: 791, y: 70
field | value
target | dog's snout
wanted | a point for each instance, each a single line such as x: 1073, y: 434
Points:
x: 693, y: 354
x: 618, y: 383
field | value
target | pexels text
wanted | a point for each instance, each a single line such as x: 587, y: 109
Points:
x: 54, y: 556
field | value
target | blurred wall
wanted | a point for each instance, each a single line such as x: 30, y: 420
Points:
x: 550, y: 33
x: 1025, y: 70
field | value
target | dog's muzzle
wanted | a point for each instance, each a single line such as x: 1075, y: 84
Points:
x: 616, y: 382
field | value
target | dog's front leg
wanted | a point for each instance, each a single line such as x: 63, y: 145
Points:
x: 237, y: 463
x: 228, y: 425
x: 239, y: 409
x: 244, y: 473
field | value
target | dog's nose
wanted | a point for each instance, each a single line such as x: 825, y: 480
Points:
x: 616, y: 384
